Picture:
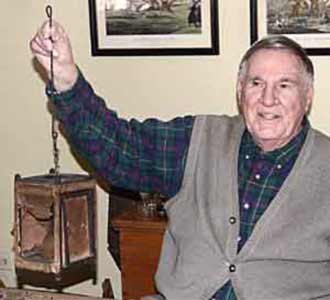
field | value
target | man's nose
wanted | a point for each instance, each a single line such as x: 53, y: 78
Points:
x: 269, y: 97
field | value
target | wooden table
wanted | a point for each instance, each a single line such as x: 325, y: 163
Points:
x: 140, y: 239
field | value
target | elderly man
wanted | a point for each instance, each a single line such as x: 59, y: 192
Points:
x: 249, y: 214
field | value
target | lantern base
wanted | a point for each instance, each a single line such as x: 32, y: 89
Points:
x: 78, y: 272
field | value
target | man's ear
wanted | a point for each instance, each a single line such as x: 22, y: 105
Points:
x: 309, y: 99
x: 239, y: 89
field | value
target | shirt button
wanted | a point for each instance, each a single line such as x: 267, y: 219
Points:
x: 246, y: 205
x: 247, y: 156
x: 232, y: 220
x: 232, y: 268
x: 279, y: 166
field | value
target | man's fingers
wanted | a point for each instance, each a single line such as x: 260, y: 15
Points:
x: 54, y: 32
x: 57, y: 32
x: 38, y: 47
x: 39, y: 44
x: 44, y: 31
x: 54, y: 40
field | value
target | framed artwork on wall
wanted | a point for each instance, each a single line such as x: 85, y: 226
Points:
x: 305, y: 21
x: 154, y: 27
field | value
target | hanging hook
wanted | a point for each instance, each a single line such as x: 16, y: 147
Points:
x: 49, y: 13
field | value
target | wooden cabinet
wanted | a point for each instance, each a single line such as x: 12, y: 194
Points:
x: 140, y: 240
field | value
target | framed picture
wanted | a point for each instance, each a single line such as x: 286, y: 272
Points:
x: 154, y: 27
x: 305, y: 21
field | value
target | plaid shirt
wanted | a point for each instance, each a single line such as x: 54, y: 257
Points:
x: 260, y: 176
x: 144, y: 156
x: 151, y: 155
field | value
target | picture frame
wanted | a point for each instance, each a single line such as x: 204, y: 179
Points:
x: 154, y: 27
x: 305, y: 21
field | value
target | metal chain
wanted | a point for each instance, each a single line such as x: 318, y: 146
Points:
x: 56, y: 169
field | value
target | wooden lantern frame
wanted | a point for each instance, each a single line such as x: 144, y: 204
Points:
x: 55, y: 236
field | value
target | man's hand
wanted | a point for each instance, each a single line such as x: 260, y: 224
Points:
x: 55, y: 39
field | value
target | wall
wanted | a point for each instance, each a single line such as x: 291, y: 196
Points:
x: 136, y: 86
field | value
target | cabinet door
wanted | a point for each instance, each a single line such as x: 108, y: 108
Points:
x: 140, y: 252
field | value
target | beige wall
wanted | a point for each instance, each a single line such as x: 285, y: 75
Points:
x: 136, y: 86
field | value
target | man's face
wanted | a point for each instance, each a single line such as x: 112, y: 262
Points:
x: 274, y: 97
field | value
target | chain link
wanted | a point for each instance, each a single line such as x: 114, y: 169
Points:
x: 56, y: 169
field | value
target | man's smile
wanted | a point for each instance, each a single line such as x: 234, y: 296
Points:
x: 268, y: 116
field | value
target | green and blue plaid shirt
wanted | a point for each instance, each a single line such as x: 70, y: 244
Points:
x: 150, y: 156
x: 260, y: 176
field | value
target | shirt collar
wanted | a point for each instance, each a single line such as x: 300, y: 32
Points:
x: 250, y: 149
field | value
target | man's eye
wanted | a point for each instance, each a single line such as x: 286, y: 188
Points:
x: 256, y: 83
x: 284, y: 85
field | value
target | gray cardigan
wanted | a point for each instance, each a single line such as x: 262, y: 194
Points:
x: 288, y: 254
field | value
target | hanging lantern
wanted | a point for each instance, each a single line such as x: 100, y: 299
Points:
x: 55, y: 230
x: 55, y: 222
